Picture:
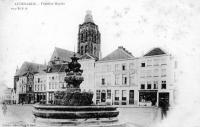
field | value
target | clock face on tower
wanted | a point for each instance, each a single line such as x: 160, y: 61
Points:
x: 89, y: 37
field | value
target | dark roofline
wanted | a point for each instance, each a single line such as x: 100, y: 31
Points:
x: 152, y: 52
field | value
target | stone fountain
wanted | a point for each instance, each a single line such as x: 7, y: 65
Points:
x: 73, y: 107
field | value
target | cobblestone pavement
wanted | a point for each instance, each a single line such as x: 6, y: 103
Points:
x: 137, y: 116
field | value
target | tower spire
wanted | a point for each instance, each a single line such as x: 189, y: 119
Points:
x: 88, y: 16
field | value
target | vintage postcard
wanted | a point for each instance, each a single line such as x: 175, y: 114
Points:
x: 96, y: 63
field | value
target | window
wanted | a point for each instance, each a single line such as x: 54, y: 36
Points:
x: 148, y: 73
x: 156, y: 62
x: 163, y: 61
x: 38, y: 80
x: 81, y: 50
x: 117, y: 67
x: 124, y: 79
x: 49, y: 85
x: 163, y: 73
x: 142, y: 75
x: 131, y: 66
x: 142, y: 64
x: 156, y: 71
x: 124, y: 95
x: 103, y: 81
x: 155, y: 85
x: 86, y: 48
x: 124, y: 67
x: 148, y: 85
x: 163, y: 85
x: 132, y: 76
x: 97, y: 94
x: 116, y: 95
x: 149, y: 62
x: 108, y: 94
x: 117, y: 79
x: 94, y: 50
x: 108, y: 68
x: 142, y: 86
x: 52, y: 77
x: 52, y: 85
x: 175, y: 64
x: 108, y: 81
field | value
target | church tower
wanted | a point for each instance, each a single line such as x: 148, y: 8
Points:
x: 89, y: 38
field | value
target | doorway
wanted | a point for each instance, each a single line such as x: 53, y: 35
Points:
x: 103, y: 97
x: 163, y: 98
x: 131, y: 97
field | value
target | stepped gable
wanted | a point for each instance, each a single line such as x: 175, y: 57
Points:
x: 62, y: 55
x: 155, y: 51
x: 120, y: 53
x: 30, y: 67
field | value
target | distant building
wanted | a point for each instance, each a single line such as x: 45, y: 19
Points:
x: 25, y: 82
x: 6, y: 95
x: 40, y: 86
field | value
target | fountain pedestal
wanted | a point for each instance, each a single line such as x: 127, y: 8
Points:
x: 73, y: 107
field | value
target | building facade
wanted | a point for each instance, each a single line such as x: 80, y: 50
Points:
x: 122, y: 79
x: 25, y: 82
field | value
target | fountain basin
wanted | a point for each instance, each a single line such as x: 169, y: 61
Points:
x: 74, y: 112
x: 75, y: 115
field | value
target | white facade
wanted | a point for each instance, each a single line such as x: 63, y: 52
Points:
x: 157, y: 73
x: 55, y: 82
x: 40, y: 86
x: 139, y: 81
x: 88, y: 67
x: 117, y: 80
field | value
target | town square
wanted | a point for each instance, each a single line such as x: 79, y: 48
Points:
x: 118, y: 64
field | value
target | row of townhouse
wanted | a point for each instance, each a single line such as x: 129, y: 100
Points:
x: 117, y: 79
x: 122, y: 79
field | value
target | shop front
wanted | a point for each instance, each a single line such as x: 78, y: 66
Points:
x: 148, y: 97
x: 40, y: 96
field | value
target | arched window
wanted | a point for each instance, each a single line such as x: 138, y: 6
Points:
x: 86, y: 48
x: 81, y: 50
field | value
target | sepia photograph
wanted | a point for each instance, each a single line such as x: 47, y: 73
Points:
x: 99, y: 63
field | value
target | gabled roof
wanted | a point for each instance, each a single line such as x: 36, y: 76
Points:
x: 57, y: 68
x: 62, y: 54
x: 155, y: 51
x: 120, y: 53
x: 29, y: 67
x: 88, y: 56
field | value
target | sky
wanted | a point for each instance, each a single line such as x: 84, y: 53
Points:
x: 138, y: 25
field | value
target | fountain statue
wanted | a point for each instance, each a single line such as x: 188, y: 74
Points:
x: 73, y: 107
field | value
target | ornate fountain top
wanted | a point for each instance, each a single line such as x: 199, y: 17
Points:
x: 74, y: 66
x: 74, y: 74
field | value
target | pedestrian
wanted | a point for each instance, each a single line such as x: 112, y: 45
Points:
x: 4, y: 108
x: 164, y: 105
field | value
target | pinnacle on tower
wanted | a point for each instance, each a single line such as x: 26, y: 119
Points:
x: 88, y: 16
